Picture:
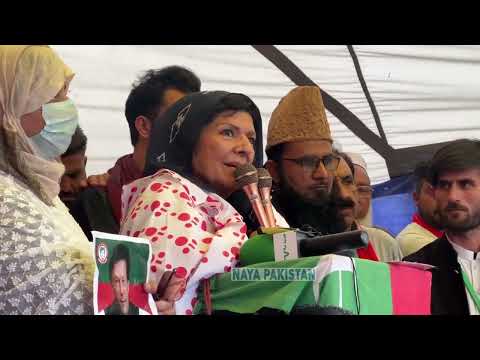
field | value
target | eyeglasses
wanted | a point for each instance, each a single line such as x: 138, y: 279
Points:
x: 311, y: 163
x: 364, y: 190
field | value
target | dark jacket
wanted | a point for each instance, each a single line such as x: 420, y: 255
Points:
x: 448, y: 291
x: 92, y: 211
x: 114, y: 309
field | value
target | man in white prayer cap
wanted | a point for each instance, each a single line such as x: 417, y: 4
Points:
x: 364, y: 190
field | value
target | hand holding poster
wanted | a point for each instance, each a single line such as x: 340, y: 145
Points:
x: 120, y: 274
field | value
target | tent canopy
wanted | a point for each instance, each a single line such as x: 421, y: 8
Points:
x: 381, y: 99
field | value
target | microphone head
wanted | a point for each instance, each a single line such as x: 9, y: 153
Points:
x: 264, y: 178
x: 245, y: 175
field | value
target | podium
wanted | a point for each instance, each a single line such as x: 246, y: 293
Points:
x: 357, y: 286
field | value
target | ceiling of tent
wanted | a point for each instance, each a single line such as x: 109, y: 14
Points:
x: 422, y: 94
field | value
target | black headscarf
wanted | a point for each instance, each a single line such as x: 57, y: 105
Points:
x: 176, y: 132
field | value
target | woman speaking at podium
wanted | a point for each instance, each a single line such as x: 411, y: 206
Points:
x: 180, y: 205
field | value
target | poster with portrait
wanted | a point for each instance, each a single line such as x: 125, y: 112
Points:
x: 120, y: 274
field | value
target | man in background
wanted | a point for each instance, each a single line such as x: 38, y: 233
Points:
x: 303, y: 164
x: 455, y: 177
x: 345, y: 200
x: 151, y: 95
x: 364, y: 190
x: 425, y: 225
x: 74, y: 180
x: 300, y: 159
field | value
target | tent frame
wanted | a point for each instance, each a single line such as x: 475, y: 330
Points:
x: 399, y: 161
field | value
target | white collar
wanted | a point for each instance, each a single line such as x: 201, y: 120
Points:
x: 464, y: 253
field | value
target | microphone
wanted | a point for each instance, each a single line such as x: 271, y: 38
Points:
x: 246, y: 178
x: 264, y: 187
x: 293, y: 245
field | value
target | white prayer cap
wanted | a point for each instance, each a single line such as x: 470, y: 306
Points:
x: 358, y: 159
x: 336, y: 145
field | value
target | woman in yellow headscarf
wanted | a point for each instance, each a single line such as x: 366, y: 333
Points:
x: 46, y: 266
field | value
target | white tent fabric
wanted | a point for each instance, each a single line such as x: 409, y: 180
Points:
x: 423, y: 94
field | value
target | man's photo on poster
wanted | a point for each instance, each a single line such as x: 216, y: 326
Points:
x: 120, y: 275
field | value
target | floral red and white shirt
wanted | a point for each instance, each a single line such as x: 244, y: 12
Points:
x: 197, y: 233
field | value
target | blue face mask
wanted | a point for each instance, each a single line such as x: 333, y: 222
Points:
x: 61, y: 120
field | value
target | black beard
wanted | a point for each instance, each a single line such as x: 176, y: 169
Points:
x: 303, y: 214
x: 470, y: 223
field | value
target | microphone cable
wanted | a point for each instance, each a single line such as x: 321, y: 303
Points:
x: 355, y: 286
